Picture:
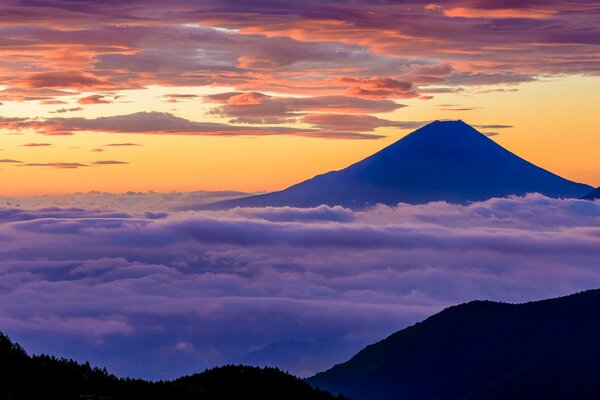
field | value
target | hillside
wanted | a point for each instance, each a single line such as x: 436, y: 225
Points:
x: 482, y: 350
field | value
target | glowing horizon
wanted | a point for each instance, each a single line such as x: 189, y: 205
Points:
x: 255, y: 100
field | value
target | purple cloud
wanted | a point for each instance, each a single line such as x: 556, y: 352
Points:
x: 373, y: 49
x: 109, y: 162
x: 122, y: 145
x: 258, y: 108
x: 65, y: 110
x: 126, y: 288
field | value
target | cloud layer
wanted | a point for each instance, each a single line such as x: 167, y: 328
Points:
x: 162, y: 293
x: 327, y: 51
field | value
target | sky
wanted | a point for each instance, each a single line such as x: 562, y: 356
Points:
x: 119, y: 118
x: 189, y: 95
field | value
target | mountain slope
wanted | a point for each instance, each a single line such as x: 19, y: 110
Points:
x: 41, y: 377
x: 593, y: 195
x: 482, y: 350
x: 444, y: 160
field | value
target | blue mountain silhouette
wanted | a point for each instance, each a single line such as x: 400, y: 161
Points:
x: 482, y: 350
x: 444, y: 160
x: 593, y: 195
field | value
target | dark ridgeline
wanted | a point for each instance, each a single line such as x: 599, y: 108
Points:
x: 482, y: 350
x: 593, y: 195
x: 42, y: 377
x: 444, y: 160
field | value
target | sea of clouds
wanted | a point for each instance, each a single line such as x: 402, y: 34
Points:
x: 150, y: 291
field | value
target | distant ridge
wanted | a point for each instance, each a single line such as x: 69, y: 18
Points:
x: 482, y: 350
x: 593, y: 195
x: 442, y: 161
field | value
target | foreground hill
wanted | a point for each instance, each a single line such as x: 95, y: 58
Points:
x: 41, y: 377
x: 445, y: 160
x: 483, y: 350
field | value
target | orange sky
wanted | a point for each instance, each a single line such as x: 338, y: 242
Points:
x: 254, y: 101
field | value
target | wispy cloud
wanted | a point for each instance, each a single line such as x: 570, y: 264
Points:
x: 109, y: 162
x: 36, y: 145
x: 288, y: 60
x: 94, y: 99
x: 65, y: 110
x: 253, y: 107
x: 155, y: 123
x: 59, y: 165
x: 122, y: 145
x: 63, y: 80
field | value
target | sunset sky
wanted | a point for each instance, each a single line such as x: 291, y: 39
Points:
x: 121, y: 120
x: 254, y: 96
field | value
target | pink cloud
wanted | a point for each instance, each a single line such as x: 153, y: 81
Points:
x: 58, y: 165
x: 155, y: 123
x: 378, y: 87
x: 256, y: 107
x: 93, y: 99
x: 383, y: 50
x: 36, y: 145
x: 63, y: 80
x: 362, y: 123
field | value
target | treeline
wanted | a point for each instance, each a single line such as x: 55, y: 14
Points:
x: 24, y: 377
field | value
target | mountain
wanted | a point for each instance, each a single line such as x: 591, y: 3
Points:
x: 593, y: 195
x: 42, y: 377
x: 482, y: 350
x: 444, y: 160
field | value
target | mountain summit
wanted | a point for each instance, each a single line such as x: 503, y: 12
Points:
x: 442, y: 161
